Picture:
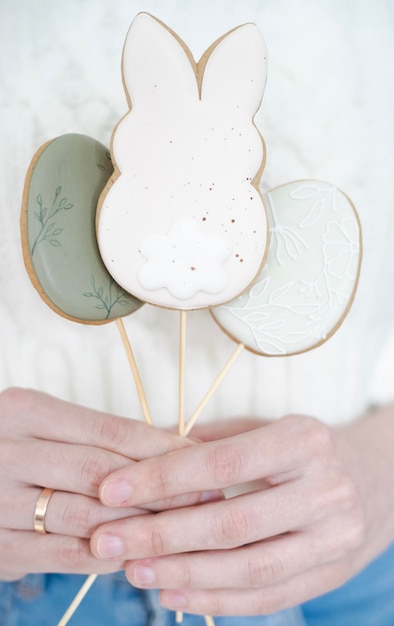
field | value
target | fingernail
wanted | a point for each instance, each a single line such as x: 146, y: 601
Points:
x: 110, y: 546
x: 211, y: 496
x: 144, y: 575
x: 116, y: 492
x: 173, y: 600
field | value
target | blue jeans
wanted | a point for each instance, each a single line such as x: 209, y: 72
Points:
x: 41, y: 599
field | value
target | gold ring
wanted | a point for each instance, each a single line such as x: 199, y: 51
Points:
x: 40, y: 510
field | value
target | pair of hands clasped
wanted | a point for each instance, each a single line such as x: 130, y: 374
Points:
x: 316, y: 510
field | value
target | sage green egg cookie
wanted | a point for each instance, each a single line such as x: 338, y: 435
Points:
x: 63, y: 185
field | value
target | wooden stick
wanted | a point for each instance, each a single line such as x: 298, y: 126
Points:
x: 213, y: 387
x: 77, y: 600
x: 208, y: 619
x: 148, y: 419
x: 181, y: 400
x: 135, y: 372
x: 181, y: 421
x: 182, y: 354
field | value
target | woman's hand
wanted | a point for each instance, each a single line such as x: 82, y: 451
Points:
x: 324, y: 509
x: 45, y: 442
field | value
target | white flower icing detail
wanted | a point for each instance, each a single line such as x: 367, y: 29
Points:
x: 285, y: 240
x: 275, y: 324
x: 185, y: 261
x: 323, y: 198
x: 340, y: 248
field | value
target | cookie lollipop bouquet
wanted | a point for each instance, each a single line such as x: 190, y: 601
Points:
x: 181, y: 223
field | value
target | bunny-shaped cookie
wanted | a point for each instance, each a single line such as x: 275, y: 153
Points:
x: 183, y: 226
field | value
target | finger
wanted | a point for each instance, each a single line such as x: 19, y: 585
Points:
x: 221, y: 525
x: 213, y: 465
x: 258, y: 565
x: 67, y: 514
x: 254, y: 566
x: 226, y: 428
x: 272, y: 599
x: 38, y: 415
x: 30, y: 553
x: 79, y: 516
x: 74, y: 468
x: 61, y: 466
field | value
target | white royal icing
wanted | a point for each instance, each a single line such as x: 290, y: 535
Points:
x: 188, y: 148
x: 307, y: 285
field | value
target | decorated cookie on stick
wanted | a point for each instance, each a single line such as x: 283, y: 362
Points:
x: 62, y: 187
x: 308, y: 283
x: 182, y: 224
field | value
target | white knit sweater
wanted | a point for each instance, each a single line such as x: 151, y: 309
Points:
x: 327, y: 113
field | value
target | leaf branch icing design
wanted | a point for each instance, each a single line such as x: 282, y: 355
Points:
x: 340, y: 249
x: 283, y: 238
x: 269, y: 322
x: 45, y: 214
x: 323, y: 198
x: 107, y: 300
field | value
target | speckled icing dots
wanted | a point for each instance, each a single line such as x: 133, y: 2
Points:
x: 184, y: 226
x: 60, y: 249
x: 309, y: 280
